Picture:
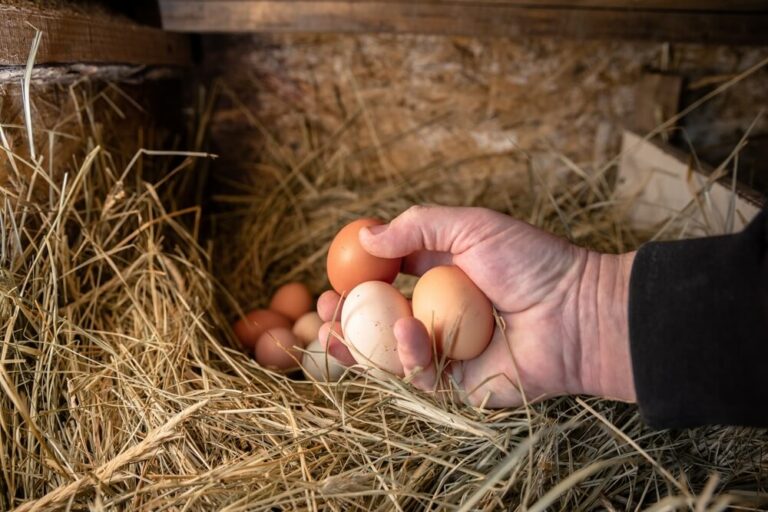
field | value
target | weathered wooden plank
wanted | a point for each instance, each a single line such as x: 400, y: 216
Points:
x: 70, y: 38
x: 661, y: 5
x: 463, y: 18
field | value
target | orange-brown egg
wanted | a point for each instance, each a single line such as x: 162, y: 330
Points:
x: 249, y: 329
x: 349, y: 264
x: 291, y: 300
x: 276, y: 349
x: 455, y: 311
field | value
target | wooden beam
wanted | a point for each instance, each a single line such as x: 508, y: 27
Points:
x: 747, y: 23
x: 74, y: 38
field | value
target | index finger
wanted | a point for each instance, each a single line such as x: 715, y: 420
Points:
x: 434, y: 228
x: 417, y: 263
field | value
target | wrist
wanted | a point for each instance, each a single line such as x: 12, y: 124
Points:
x: 603, y: 298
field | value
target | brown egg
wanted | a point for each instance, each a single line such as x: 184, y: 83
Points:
x: 291, y: 300
x: 307, y: 326
x: 249, y: 329
x: 276, y: 349
x: 349, y: 264
x: 455, y: 311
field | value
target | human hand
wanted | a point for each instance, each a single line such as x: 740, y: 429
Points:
x: 564, y: 308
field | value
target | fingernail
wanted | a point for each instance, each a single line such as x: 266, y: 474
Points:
x: 375, y: 230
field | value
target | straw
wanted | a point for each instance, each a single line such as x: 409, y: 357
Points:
x: 123, y: 387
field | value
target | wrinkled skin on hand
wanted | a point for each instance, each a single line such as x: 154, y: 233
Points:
x: 546, y: 291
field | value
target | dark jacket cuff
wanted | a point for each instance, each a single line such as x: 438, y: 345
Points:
x: 698, y: 326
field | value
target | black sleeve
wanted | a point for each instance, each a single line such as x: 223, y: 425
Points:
x: 698, y: 328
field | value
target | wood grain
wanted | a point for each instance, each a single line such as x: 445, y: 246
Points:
x: 662, y: 5
x: 488, y: 18
x: 73, y: 38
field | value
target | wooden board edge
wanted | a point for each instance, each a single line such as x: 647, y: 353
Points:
x: 73, y: 38
x: 451, y: 18
x: 656, y: 181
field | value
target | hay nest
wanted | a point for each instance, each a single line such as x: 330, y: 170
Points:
x: 122, y: 386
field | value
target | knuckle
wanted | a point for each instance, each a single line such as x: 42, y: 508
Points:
x: 411, y: 219
x: 416, y: 210
x: 487, y: 215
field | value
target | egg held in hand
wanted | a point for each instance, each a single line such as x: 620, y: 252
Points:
x: 367, y: 320
x: 252, y: 326
x: 277, y: 349
x: 319, y: 365
x: 455, y: 311
x: 349, y: 264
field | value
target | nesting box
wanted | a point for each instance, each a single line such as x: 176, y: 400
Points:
x: 168, y: 166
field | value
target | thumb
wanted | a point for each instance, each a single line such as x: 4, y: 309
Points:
x: 432, y: 228
x: 414, y: 346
